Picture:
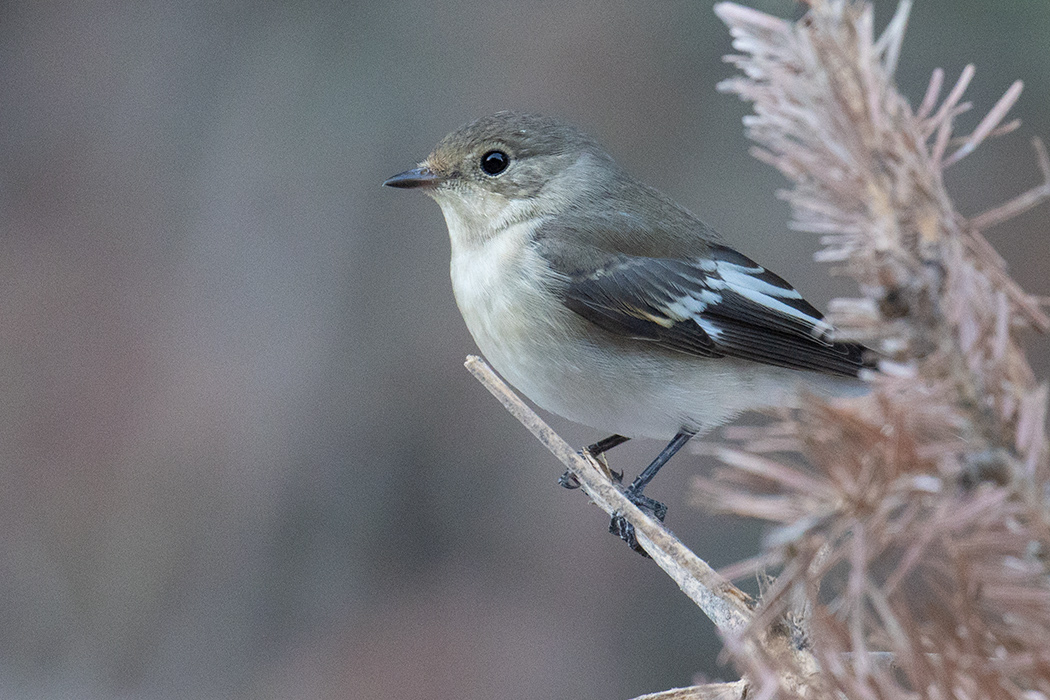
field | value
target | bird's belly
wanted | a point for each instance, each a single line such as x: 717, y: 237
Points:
x: 638, y: 391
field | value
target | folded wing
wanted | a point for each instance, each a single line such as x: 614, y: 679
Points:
x: 719, y: 305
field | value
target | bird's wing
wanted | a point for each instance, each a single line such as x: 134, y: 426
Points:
x: 719, y: 305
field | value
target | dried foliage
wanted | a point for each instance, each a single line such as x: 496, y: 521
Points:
x: 913, y: 523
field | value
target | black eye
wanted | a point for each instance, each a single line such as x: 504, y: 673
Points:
x: 495, y: 162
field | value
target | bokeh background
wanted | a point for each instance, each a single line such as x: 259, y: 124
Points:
x: 239, y: 456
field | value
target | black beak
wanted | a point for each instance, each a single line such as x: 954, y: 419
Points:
x: 416, y: 177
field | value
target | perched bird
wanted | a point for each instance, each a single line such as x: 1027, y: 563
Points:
x: 605, y: 302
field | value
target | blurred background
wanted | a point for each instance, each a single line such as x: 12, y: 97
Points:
x: 239, y: 455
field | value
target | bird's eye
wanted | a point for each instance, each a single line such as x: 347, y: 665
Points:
x: 495, y: 162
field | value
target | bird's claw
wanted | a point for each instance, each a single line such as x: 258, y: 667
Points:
x: 625, y: 530
x: 648, y: 505
x: 568, y: 480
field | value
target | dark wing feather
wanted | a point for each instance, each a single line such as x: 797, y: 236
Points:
x: 720, y: 305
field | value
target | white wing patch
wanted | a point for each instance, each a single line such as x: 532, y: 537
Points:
x: 744, y: 278
x: 691, y: 305
x: 702, y: 294
x: 719, y: 305
x: 708, y: 327
x: 748, y: 283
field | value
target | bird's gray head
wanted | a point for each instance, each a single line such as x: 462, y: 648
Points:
x: 506, y: 168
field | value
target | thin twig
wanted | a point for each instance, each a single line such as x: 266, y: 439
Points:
x: 889, y: 44
x: 725, y: 604
x: 929, y: 101
x: 1008, y: 127
x: 946, y: 112
x: 988, y: 124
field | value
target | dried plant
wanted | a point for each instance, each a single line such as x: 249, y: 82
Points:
x: 917, y: 521
x: 912, y: 526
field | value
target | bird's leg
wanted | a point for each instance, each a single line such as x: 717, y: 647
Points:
x: 568, y: 479
x: 619, y: 526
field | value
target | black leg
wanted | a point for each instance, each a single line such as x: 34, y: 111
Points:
x: 568, y: 480
x: 639, y: 484
x: 619, y: 526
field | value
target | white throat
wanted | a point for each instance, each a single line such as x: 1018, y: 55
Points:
x: 481, y: 217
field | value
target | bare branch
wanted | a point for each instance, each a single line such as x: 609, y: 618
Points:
x: 725, y: 604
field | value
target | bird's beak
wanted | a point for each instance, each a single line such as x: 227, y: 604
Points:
x: 416, y: 177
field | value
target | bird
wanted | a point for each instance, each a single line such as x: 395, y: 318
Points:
x: 605, y: 302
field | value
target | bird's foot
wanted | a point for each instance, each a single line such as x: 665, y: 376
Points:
x: 568, y: 480
x: 625, y: 530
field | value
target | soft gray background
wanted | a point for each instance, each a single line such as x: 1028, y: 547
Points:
x: 239, y: 455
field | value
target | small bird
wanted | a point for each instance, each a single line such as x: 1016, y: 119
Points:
x: 605, y: 302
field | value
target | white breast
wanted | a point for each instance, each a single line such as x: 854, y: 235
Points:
x: 495, y: 282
